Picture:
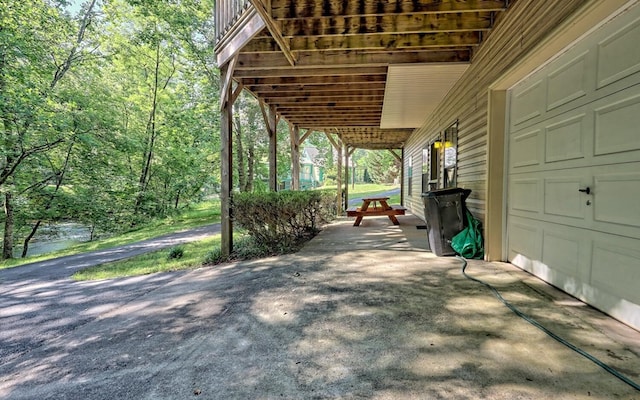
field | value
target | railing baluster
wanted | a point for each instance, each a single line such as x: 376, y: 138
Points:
x: 227, y: 12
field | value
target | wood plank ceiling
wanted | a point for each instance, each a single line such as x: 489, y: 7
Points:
x: 340, y: 51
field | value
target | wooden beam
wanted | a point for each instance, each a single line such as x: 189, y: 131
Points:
x: 334, y: 142
x: 351, y: 120
x: 315, y: 89
x: 356, y: 98
x: 285, y: 9
x: 346, y: 176
x: 226, y: 163
x: 294, y: 134
x: 402, y: 178
x: 399, y: 158
x: 409, y: 41
x: 355, y: 57
x: 307, y: 72
x: 366, y: 109
x: 227, y: 79
x: 332, y: 110
x: 306, y: 135
x: 329, y: 79
x: 334, y: 94
x: 271, y: 118
x: 409, y: 23
x: 275, y: 31
x: 236, y: 92
x: 339, y: 177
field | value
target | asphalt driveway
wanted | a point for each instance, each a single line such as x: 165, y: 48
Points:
x: 359, y: 313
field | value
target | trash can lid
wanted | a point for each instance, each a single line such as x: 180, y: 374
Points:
x: 449, y: 191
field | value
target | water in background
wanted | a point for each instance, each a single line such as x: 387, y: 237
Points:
x: 55, y: 237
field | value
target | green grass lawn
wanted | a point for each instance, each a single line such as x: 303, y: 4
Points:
x: 361, y: 190
x: 193, y: 255
x: 201, y: 214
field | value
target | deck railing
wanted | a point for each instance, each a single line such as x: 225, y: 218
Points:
x: 228, y: 12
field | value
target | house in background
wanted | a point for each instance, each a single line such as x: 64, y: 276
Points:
x: 311, y: 170
x: 534, y: 105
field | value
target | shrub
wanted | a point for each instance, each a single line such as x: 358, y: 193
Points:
x: 280, y: 220
x: 244, y: 248
x: 175, y: 253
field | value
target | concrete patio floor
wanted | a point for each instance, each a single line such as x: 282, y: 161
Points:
x: 359, y: 313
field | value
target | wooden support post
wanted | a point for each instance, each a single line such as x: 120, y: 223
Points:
x: 402, y: 179
x: 346, y: 176
x: 337, y: 144
x: 353, y: 169
x: 341, y: 194
x: 294, y: 134
x: 226, y: 159
x: 270, y: 115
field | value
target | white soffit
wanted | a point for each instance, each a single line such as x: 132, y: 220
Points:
x: 413, y: 91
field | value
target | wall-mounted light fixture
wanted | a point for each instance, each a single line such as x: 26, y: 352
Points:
x: 438, y: 144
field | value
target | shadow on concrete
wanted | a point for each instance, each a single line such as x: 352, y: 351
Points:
x: 361, y: 312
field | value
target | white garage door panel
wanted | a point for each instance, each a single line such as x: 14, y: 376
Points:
x: 564, y: 140
x: 529, y: 103
x: 563, y: 198
x: 526, y: 149
x: 568, y: 82
x: 525, y: 239
x: 575, y: 124
x: 526, y: 196
x: 617, y: 199
x: 562, y: 250
x: 618, y: 55
x: 614, y: 122
x: 616, y: 268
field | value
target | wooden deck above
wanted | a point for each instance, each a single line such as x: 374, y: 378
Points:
x: 323, y: 63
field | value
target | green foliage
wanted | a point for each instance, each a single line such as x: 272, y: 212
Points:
x: 149, y: 263
x: 175, y: 252
x: 281, y: 220
x: 106, y: 115
x: 191, y: 217
x: 380, y: 166
x: 244, y: 248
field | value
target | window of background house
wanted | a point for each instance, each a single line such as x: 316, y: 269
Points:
x: 450, y: 146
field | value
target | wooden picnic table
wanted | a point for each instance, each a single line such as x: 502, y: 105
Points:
x: 375, y: 206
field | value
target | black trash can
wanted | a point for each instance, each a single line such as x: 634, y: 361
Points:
x: 444, y: 213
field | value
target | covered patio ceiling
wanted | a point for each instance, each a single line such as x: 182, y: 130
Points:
x: 325, y: 64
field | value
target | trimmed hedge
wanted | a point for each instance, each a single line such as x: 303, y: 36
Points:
x: 282, y: 220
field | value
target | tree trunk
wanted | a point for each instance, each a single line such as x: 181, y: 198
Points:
x: 7, y: 244
x: 151, y: 132
x: 25, y: 247
x: 59, y: 178
x: 242, y: 175
x: 177, y: 201
x: 251, y: 165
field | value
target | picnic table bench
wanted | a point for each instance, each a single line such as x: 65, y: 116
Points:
x: 380, y: 207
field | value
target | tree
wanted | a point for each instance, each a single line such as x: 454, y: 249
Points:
x: 39, y: 45
x: 381, y: 165
x: 104, y: 120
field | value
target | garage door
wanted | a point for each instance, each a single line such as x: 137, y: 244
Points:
x: 573, y: 190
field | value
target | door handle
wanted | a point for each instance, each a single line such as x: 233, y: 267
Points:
x: 587, y: 190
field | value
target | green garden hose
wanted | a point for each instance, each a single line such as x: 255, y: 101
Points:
x: 535, y: 323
